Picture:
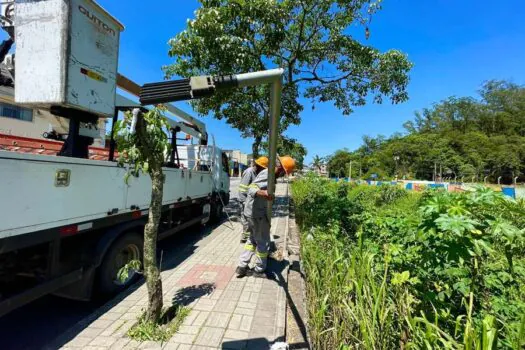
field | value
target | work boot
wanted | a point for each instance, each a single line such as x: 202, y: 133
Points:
x: 256, y: 274
x: 242, y: 271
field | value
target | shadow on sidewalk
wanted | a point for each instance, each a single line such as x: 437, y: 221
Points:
x: 274, y: 272
x: 280, y: 207
x: 187, y: 295
x: 252, y: 344
x: 234, y: 209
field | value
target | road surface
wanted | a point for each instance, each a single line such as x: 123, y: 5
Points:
x: 38, y: 323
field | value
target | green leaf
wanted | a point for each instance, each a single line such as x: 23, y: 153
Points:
x: 399, y: 279
x: 123, y: 272
x: 456, y: 224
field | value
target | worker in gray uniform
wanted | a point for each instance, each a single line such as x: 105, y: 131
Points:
x: 258, y: 242
x: 248, y: 176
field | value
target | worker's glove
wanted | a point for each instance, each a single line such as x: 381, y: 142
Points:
x: 264, y: 194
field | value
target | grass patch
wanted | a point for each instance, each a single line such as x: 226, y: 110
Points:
x: 168, y: 325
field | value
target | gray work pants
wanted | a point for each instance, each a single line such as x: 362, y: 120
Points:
x: 244, y: 222
x: 258, y: 243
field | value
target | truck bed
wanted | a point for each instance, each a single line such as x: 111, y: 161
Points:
x: 31, y: 200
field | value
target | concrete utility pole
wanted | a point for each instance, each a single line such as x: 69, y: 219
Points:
x: 350, y: 172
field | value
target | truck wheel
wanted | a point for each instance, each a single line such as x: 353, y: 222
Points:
x: 125, y: 249
x: 217, y: 212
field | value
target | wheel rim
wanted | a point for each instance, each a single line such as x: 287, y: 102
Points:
x: 128, y: 253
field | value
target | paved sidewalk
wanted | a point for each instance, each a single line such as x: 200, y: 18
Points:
x: 226, y: 312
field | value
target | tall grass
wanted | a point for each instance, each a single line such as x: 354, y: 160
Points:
x: 348, y: 306
x: 381, y: 274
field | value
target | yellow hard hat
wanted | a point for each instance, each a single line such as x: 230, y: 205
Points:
x: 262, y: 162
x: 288, y: 164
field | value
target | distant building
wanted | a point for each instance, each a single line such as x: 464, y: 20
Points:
x: 22, y: 129
x: 238, y: 162
x: 250, y: 160
x: 321, y: 171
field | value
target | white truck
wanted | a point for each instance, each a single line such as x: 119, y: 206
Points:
x: 68, y: 223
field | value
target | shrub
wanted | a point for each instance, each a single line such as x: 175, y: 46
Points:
x: 387, y: 268
x: 319, y: 201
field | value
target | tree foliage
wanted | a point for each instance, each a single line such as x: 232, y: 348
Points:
x: 289, y: 147
x: 460, y: 137
x: 310, y: 39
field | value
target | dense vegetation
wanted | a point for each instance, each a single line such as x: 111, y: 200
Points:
x: 464, y: 137
x: 387, y: 268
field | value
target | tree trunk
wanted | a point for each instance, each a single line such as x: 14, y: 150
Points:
x: 152, y: 273
x: 255, y: 147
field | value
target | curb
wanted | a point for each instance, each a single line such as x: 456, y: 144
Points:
x: 294, y: 272
x: 280, y: 335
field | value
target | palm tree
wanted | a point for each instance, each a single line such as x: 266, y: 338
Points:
x: 317, y: 162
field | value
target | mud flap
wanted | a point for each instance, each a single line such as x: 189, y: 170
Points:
x: 81, y: 290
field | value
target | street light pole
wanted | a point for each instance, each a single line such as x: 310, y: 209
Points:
x: 275, y: 114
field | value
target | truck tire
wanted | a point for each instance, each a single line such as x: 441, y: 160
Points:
x: 217, y: 212
x: 125, y: 249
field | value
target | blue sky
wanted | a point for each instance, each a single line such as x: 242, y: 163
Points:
x: 454, y: 44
